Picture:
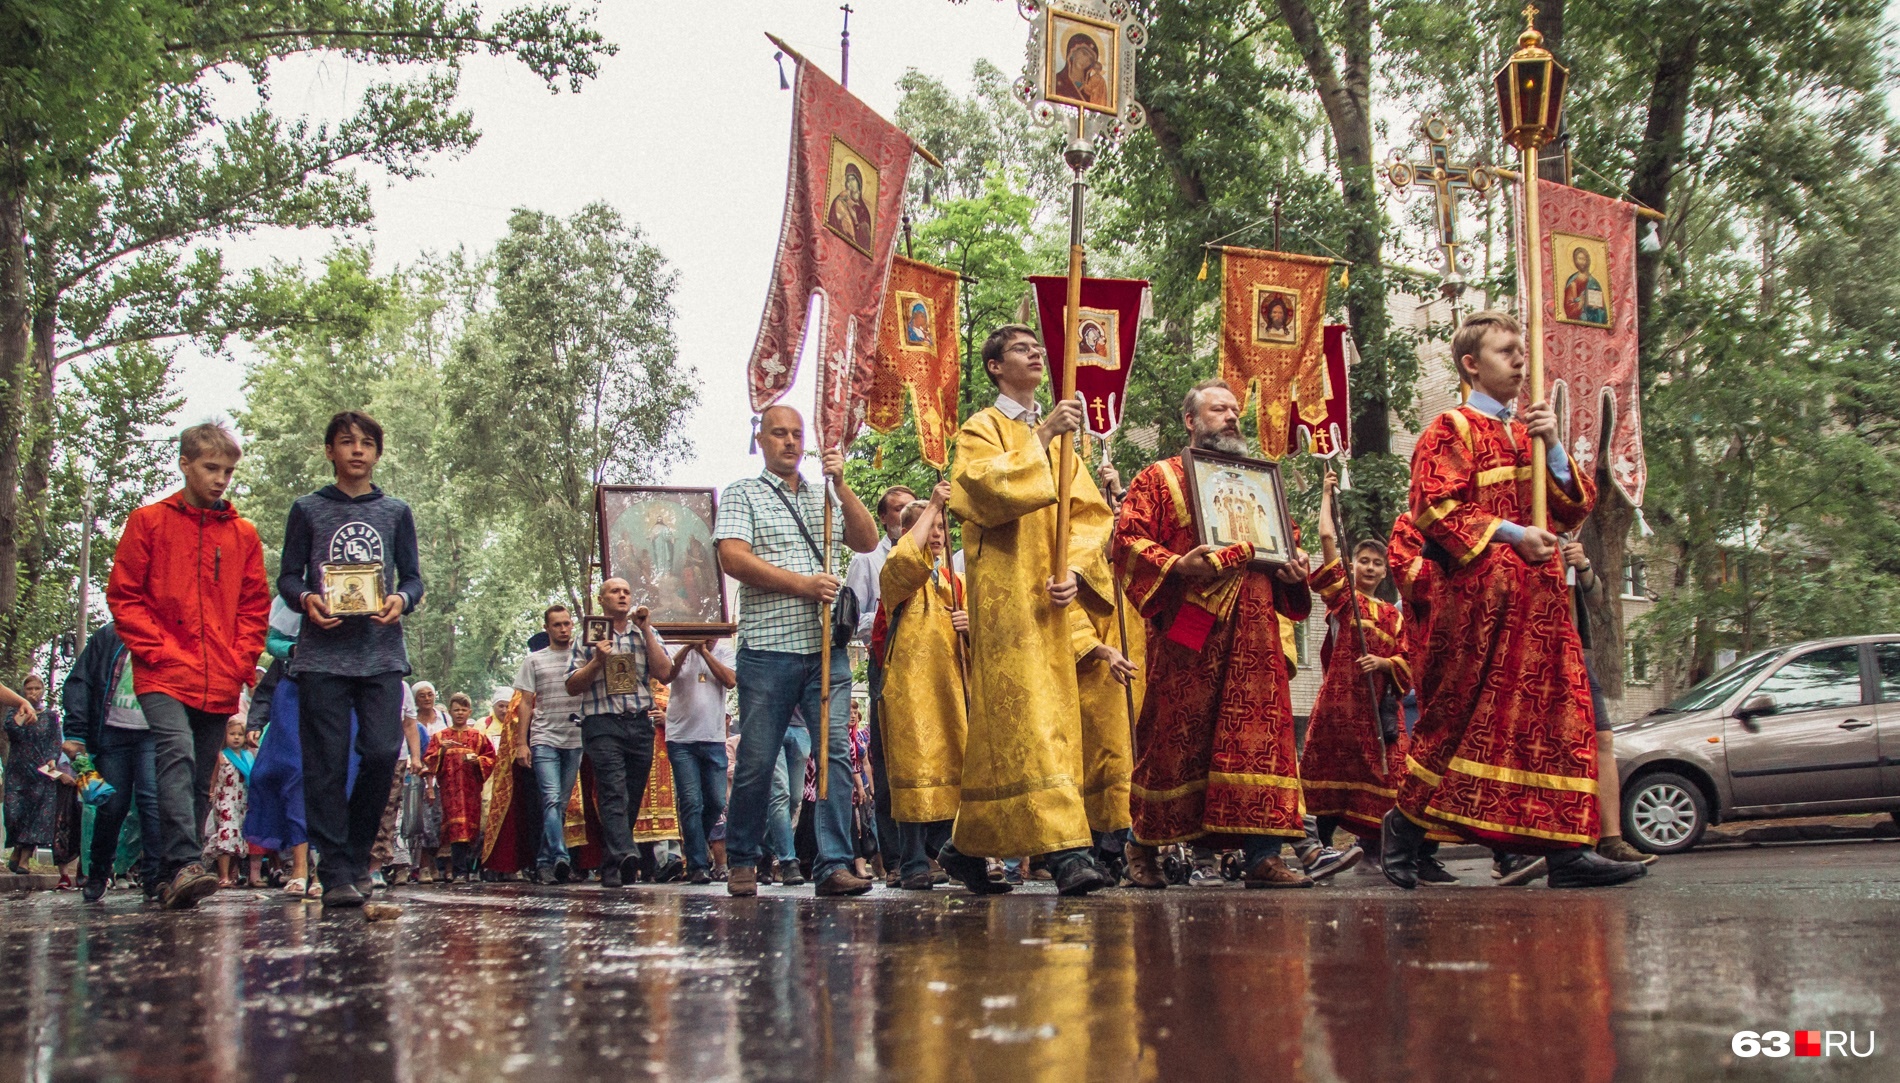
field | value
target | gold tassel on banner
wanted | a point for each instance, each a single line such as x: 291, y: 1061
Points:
x: 877, y: 458
x: 1202, y: 277
x: 1345, y: 276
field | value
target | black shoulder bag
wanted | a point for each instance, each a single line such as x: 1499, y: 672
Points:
x: 844, y: 609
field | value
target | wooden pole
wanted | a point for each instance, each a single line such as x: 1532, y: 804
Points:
x: 1121, y: 615
x: 1534, y: 331
x: 824, y: 662
x: 1065, y: 451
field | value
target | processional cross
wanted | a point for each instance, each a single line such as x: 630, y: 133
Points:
x: 1445, y: 178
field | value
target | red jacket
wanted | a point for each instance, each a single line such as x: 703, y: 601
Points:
x: 190, y: 600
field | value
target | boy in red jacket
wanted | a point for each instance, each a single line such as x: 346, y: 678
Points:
x: 191, y: 602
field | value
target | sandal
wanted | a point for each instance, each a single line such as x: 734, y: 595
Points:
x: 296, y: 889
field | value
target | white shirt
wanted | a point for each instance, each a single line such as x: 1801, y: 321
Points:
x: 862, y: 578
x: 696, y: 706
x: 1030, y: 415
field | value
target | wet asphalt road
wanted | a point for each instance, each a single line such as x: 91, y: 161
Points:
x: 1352, y: 981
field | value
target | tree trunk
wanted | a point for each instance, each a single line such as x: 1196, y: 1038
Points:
x: 1606, y: 533
x: 14, y: 374
x: 1345, y: 92
x: 32, y: 512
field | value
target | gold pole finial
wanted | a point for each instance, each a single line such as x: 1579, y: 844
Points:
x: 1530, y: 14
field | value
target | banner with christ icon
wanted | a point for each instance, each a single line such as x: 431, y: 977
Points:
x: 1110, y: 318
x: 917, y: 350
x: 1273, y: 314
x: 843, y: 204
x: 1330, y: 434
x: 1590, y: 333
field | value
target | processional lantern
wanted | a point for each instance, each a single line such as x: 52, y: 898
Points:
x: 1530, y: 106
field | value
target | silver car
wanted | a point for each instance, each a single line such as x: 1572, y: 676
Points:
x: 1807, y: 730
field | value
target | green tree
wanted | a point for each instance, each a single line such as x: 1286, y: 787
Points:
x: 571, y: 380
x: 113, y: 163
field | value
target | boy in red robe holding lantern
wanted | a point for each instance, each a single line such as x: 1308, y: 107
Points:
x: 1504, y: 752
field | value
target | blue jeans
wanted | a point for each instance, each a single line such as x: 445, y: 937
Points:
x: 554, y: 771
x: 921, y: 843
x: 127, y: 759
x: 780, y: 814
x: 771, y: 685
x: 699, y: 784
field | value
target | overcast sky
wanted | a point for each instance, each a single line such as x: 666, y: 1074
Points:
x: 685, y: 133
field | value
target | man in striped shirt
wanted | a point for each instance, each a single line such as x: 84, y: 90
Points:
x: 768, y: 536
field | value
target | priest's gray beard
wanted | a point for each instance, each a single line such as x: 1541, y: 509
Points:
x: 1226, y: 440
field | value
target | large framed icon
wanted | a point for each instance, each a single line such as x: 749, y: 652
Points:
x: 660, y: 540
x: 1235, y: 499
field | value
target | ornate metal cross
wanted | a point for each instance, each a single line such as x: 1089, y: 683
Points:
x: 1444, y: 177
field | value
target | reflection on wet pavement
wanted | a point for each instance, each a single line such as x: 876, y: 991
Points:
x: 1350, y: 982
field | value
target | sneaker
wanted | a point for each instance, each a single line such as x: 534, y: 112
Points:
x: 1515, y: 869
x: 841, y: 882
x: 1433, y: 871
x: 1078, y: 875
x: 376, y: 881
x: 399, y: 876
x: 742, y: 881
x: 1326, y: 861
x: 699, y: 876
x: 1616, y: 848
x: 186, y: 887
x: 95, y: 888
x: 1271, y: 872
x: 670, y: 870
x: 1205, y: 875
x: 343, y: 895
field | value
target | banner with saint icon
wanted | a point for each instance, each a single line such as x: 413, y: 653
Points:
x: 843, y: 201
x: 1273, y: 312
x: 1590, y: 334
x: 917, y: 349
x: 1112, y: 309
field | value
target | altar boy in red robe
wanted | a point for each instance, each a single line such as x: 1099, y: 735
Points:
x: 1504, y: 752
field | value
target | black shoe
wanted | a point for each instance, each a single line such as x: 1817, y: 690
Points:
x: 791, y: 873
x: 95, y: 887
x: 1433, y: 871
x: 610, y: 875
x: 917, y: 881
x: 673, y: 868
x: 1076, y: 875
x: 766, y: 874
x: 971, y: 872
x: 563, y: 871
x: 630, y: 870
x: 1584, y: 867
x: 1399, y: 842
x: 1515, y: 869
x: 699, y: 876
x: 343, y: 895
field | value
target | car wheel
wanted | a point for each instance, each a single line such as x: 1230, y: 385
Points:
x: 1664, y: 813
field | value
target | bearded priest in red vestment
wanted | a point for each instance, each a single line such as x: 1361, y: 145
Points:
x: 1215, y: 758
x: 1504, y: 752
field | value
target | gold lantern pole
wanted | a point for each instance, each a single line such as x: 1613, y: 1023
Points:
x: 1530, y: 90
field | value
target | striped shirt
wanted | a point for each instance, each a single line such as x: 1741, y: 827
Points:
x: 557, y: 720
x: 597, y: 700
x: 749, y: 512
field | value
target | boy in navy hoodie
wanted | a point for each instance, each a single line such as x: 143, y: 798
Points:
x: 349, y: 662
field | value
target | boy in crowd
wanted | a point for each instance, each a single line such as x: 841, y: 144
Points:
x: 190, y: 601
x: 349, y: 662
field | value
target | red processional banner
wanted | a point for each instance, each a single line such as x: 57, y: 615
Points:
x: 843, y: 203
x: 917, y: 349
x: 1110, y: 319
x: 1590, y: 333
x: 1328, y: 433
x: 1273, y: 312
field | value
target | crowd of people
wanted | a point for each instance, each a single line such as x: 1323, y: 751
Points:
x: 1088, y: 695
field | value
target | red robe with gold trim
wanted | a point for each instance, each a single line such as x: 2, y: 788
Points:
x: 1339, y: 768
x: 1418, y: 581
x: 1215, y: 751
x: 1504, y: 752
